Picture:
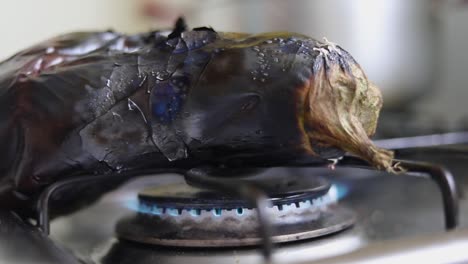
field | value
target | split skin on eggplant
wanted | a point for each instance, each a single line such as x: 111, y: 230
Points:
x: 103, y: 102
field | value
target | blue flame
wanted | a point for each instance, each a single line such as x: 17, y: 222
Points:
x: 337, y: 192
x: 217, y: 212
x: 135, y: 205
x: 132, y: 204
x: 342, y: 190
x: 172, y: 211
x: 240, y: 211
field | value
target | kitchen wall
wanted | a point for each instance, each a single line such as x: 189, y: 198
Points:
x: 25, y: 22
x: 450, y: 98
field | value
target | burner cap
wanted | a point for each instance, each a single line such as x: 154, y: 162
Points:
x: 185, y: 216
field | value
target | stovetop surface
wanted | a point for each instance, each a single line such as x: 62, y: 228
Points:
x: 388, y: 207
x: 395, y: 213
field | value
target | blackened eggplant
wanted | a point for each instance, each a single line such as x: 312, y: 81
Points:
x: 103, y: 102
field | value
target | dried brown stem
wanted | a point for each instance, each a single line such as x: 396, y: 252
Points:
x: 343, y: 109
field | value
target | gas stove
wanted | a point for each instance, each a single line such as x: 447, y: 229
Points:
x: 179, y: 215
x: 289, y: 214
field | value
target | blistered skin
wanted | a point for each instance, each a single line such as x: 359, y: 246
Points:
x: 103, y: 102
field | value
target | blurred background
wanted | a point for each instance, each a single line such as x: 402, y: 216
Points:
x: 414, y: 50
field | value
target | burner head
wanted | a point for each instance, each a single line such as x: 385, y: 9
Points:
x: 186, y: 216
x: 280, y: 192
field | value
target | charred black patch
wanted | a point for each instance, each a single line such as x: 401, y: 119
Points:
x: 180, y: 26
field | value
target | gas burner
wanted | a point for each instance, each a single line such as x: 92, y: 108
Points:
x: 186, y: 216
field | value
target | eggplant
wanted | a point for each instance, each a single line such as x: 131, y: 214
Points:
x: 104, y: 102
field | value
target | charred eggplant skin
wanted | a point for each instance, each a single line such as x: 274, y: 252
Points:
x: 103, y: 102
